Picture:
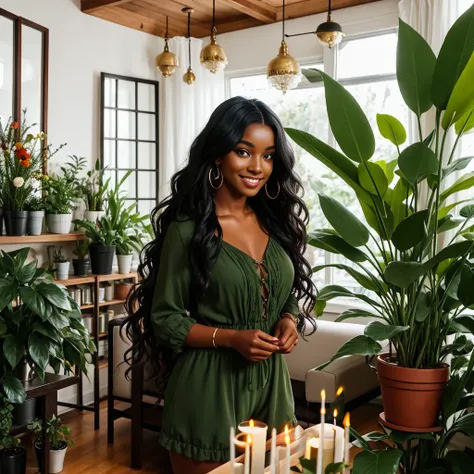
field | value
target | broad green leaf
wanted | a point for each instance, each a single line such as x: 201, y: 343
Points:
x: 465, y: 123
x: 465, y: 425
x: 415, y: 66
x: 466, y: 286
x: 348, y: 122
x: 382, y: 225
x: 14, y: 389
x: 372, y: 178
x: 389, y: 168
x: 397, y: 205
x: 334, y: 468
x: 359, y: 345
x: 335, y: 244
x: 410, y: 231
x: 466, y: 320
x: 457, y: 165
x: 403, y: 274
x: 373, y: 436
x: 462, y: 97
x: 401, y: 437
x: 55, y: 295
x: 33, y: 300
x: 8, y: 291
x: 443, y: 212
x: 356, y: 313
x: 346, y: 224
x: 359, y: 439
x: 319, y: 307
x: 361, y: 278
x: 455, y: 52
x: 461, y: 462
x: 13, y: 350
x: 380, y: 332
x: 331, y: 158
x: 384, y: 461
x: 417, y: 162
x: 333, y: 291
x: 464, y: 182
x: 467, y: 211
x: 392, y: 129
x: 423, y: 306
x: 449, y: 222
x: 38, y: 347
x: 27, y: 272
x: 313, y: 75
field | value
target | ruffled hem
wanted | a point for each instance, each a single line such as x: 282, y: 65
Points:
x: 191, y: 451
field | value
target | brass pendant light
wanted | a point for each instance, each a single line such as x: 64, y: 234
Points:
x: 283, y: 72
x: 213, y: 56
x: 329, y: 32
x: 189, y: 76
x: 167, y: 62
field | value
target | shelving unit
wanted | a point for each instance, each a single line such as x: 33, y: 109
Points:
x: 40, y: 239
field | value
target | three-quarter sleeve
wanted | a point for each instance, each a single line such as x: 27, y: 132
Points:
x: 171, y: 298
x: 291, y: 306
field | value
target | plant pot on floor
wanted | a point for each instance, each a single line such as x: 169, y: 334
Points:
x: 124, y: 263
x: 102, y: 258
x: 411, y: 397
x: 59, y: 223
x: 14, y: 460
x: 81, y: 267
x: 35, y: 222
x: 62, y: 270
x: 24, y: 413
x: 56, y: 456
x: 15, y: 222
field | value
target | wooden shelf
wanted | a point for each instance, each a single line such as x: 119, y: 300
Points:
x: 87, y: 306
x: 76, y: 280
x: 111, y: 303
x: 39, y: 239
x: 73, y: 280
x: 103, y: 335
x: 116, y: 276
x: 103, y: 363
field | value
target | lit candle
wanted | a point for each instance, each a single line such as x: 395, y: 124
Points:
x: 258, y: 433
x: 319, y: 463
x: 232, y: 450
x: 245, y: 469
x: 287, y: 451
x: 347, y: 424
x: 247, y: 455
x: 339, y: 391
x: 273, y: 452
x: 334, y: 414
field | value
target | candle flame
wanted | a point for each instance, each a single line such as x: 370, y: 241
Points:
x: 323, y: 395
x: 323, y: 411
x: 287, y: 439
x: 339, y: 391
x: 335, y: 413
x: 347, y: 420
x: 286, y: 430
x: 251, y: 423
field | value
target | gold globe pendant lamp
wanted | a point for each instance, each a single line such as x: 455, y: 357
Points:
x: 189, y: 76
x: 167, y: 62
x: 329, y: 32
x: 284, y: 72
x: 213, y: 56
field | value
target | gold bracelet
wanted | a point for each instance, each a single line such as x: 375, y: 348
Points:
x: 291, y: 316
x: 214, y: 338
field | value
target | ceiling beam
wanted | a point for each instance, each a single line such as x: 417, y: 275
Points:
x: 254, y: 9
x: 310, y: 7
x: 91, y: 6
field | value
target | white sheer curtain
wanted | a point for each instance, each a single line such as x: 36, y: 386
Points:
x: 185, y: 108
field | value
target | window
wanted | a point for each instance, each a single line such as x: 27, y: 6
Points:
x: 366, y: 67
x: 129, y: 137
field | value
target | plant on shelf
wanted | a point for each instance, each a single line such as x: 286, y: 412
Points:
x: 94, y: 191
x: 21, y: 159
x: 35, y: 208
x: 417, y: 289
x: 61, y: 264
x: 81, y: 263
x: 63, y: 190
x: 41, y: 325
x: 12, y: 456
x: 58, y: 437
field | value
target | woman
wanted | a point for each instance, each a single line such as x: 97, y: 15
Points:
x: 218, y: 299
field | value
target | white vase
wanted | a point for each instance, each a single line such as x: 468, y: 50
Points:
x: 62, y: 270
x: 59, y: 223
x: 56, y: 460
x: 91, y: 216
x: 124, y: 263
x: 34, y: 225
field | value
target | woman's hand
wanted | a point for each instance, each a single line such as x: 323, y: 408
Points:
x: 254, y: 345
x: 285, y: 331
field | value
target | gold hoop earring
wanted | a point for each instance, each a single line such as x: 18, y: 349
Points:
x: 219, y: 175
x: 277, y: 194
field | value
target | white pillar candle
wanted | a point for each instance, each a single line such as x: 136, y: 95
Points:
x: 232, y: 450
x: 243, y: 445
x: 287, y: 451
x: 273, y: 452
x: 347, y: 424
x: 319, y: 463
x: 258, y: 432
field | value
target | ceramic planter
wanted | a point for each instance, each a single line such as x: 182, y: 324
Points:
x: 122, y: 290
x: 59, y: 223
x: 34, y: 224
x: 411, y: 397
x: 56, y: 456
x: 14, y: 460
x: 62, y: 270
x: 102, y: 258
x: 81, y: 267
x: 24, y: 413
x: 124, y: 263
x: 92, y: 216
x: 15, y: 222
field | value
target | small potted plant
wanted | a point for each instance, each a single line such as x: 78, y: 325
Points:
x: 35, y: 208
x: 13, y: 457
x: 81, y: 264
x: 58, y: 437
x: 94, y: 190
x: 62, y: 193
x: 61, y: 264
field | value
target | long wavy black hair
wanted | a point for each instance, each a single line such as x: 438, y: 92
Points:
x: 285, y: 218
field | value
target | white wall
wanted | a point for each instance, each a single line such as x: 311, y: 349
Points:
x: 255, y: 47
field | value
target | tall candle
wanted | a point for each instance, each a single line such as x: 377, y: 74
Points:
x: 232, y: 450
x: 319, y: 463
x: 347, y: 424
x: 334, y: 414
x: 246, y: 446
x: 258, y: 432
x: 273, y: 452
x: 287, y: 451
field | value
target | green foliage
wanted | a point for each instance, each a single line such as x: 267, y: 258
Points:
x: 94, y: 189
x: 58, y: 256
x: 82, y: 249
x: 44, y: 330
x: 57, y: 433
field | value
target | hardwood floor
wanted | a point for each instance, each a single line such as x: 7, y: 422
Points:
x: 92, y: 455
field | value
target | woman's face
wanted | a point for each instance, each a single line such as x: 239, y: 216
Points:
x: 249, y: 165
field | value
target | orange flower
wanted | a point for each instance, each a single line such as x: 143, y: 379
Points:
x: 14, y: 125
x: 18, y: 145
x: 21, y: 154
x: 25, y: 163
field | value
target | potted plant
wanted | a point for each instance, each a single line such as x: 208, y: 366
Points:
x: 61, y: 263
x: 417, y: 290
x: 41, y: 324
x: 62, y: 193
x: 94, y: 191
x: 81, y: 263
x: 13, y: 456
x: 35, y: 209
x: 58, y: 437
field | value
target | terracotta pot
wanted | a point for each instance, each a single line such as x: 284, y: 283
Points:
x: 122, y: 290
x: 411, y: 397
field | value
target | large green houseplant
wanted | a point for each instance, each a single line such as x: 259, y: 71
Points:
x: 40, y: 325
x: 417, y: 290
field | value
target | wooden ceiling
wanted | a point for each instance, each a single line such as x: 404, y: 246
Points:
x: 231, y: 15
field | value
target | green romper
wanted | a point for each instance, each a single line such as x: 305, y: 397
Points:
x: 210, y: 390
